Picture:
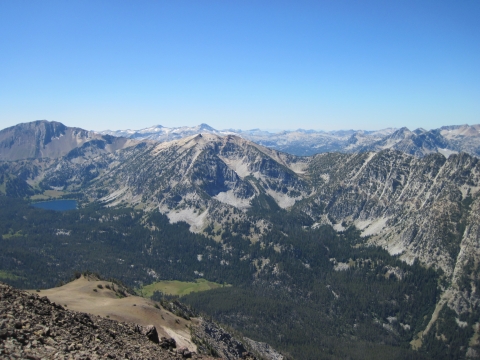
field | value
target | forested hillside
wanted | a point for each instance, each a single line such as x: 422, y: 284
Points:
x: 306, y: 292
x: 375, y: 249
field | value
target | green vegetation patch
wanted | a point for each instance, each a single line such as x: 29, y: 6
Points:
x: 11, y: 235
x: 49, y: 194
x: 5, y: 275
x: 54, y: 193
x: 179, y: 288
x: 39, y: 197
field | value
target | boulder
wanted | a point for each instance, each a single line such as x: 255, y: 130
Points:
x: 150, y: 331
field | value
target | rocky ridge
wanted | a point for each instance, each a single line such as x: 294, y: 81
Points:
x: 32, y: 327
x: 209, y: 337
x: 201, y: 178
x: 446, y: 140
x: 51, y: 139
x: 298, y: 142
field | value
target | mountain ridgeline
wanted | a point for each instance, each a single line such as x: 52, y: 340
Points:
x: 397, y: 231
x: 51, y: 139
x: 420, y: 142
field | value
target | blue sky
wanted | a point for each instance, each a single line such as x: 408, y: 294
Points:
x: 240, y: 63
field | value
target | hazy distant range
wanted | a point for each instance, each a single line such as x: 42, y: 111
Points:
x: 446, y: 140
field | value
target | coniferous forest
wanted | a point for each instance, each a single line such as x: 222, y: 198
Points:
x: 309, y: 293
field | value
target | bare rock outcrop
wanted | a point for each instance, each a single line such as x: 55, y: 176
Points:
x: 32, y: 327
x: 211, y: 338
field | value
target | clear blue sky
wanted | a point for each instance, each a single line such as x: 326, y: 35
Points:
x: 240, y: 63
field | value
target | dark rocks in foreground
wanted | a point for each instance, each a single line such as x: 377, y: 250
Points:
x: 32, y: 327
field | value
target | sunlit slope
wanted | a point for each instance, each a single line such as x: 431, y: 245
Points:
x: 93, y: 297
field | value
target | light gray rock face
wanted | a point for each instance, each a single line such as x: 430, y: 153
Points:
x: 204, y: 179
x: 411, y: 206
x: 209, y: 335
x: 423, y: 209
x: 446, y: 140
x: 50, y: 139
x: 265, y: 350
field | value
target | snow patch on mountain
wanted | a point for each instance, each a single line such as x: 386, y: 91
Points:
x: 283, y: 200
x: 447, y: 152
x: 191, y: 216
x: 239, y: 165
x: 339, y: 227
x: 230, y: 198
x: 114, y: 195
x: 370, y: 227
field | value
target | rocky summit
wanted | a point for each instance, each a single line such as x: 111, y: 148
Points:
x: 51, y: 139
x: 32, y: 327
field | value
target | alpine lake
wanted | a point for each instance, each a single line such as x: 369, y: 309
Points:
x: 57, y: 205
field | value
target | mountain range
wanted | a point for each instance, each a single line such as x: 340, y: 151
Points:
x: 43, y: 139
x: 398, y: 192
x: 446, y: 140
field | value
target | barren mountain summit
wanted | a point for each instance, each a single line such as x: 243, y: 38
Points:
x: 33, y: 327
x: 51, y: 139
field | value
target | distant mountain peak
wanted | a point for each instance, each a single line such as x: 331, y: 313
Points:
x: 204, y: 126
x: 51, y: 139
x: 420, y: 142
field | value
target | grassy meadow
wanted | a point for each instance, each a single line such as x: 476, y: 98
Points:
x: 179, y: 288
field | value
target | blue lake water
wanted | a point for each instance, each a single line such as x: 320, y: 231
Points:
x: 57, y: 205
